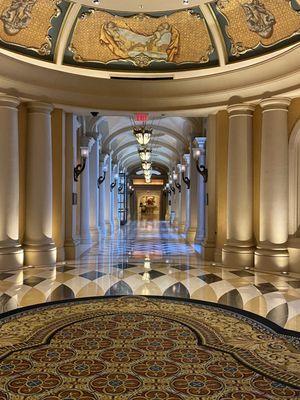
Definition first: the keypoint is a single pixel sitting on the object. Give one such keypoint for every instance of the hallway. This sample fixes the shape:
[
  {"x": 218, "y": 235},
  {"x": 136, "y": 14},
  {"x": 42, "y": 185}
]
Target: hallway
[{"x": 150, "y": 258}]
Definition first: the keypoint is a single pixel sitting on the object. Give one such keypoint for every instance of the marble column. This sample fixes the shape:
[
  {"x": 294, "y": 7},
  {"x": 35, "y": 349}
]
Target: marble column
[
  {"x": 85, "y": 233},
  {"x": 102, "y": 205},
  {"x": 238, "y": 250},
  {"x": 186, "y": 167},
  {"x": 200, "y": 233},
  {"x": 179, "y": 197},
  {"x": 114, "y": 199},
  {"x": 71, "y": 239},
  {"x": 11, "y": 253},
  {"x": 39, "y": 247},
  {"x": 271, "y": 253},
  {"x": 182, "y": 211},
  {"x": 94, "y": 192},
  {"x": 107, "y": 182},
  {"x": 193, "y": 201},
  {"x": 209, "y": 244}
]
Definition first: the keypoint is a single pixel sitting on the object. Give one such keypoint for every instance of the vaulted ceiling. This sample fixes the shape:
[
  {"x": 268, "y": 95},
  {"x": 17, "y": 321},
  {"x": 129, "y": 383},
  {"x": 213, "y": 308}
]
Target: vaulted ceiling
[{"x": 139, "y": 36}]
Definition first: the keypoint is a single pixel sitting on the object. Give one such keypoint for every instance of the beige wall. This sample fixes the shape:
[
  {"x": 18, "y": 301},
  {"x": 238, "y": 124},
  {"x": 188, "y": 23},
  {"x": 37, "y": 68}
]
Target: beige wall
[{"x": 58, "y": 159}]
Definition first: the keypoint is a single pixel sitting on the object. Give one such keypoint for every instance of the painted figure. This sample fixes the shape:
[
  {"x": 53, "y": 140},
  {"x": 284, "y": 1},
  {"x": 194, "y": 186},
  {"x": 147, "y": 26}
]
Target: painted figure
[
  {"x": 17, "y": 16},
  {"x": 259, "y": 19},
  {"x": 124, "y": 43}
]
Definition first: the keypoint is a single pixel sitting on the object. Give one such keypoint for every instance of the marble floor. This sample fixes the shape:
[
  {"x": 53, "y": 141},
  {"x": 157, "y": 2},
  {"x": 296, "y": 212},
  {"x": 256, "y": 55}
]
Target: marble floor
[{"x": 150, "y": 258}]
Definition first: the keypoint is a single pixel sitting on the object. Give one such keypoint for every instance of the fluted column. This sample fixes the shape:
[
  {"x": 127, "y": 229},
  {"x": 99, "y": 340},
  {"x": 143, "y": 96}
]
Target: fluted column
[
  {"x": 71, "y": 239},
  {"x": 238, "y": 249},
  {"x": 85, "y": 233},
  {"x": 114, "y": 200},
  {"x": 272, "y": 253},
  {"x": 187, "y": 160},
  {"x": 182, "y": 211},
  {"x": 38, "y": 244},
  {"x": 209, "y": 244},
  {"x": 102, "y": 187},
  {"x": 201, "y": 200},
  {"x": 94, "y": 194},
  {"x": 11, "y": 253},
  {"x": 193, "y": 201},
  {"x": 108, "y": 180}
]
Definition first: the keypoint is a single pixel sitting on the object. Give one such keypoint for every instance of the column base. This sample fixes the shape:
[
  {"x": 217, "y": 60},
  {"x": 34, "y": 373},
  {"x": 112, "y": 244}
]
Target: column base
[
  {"x": 72, "y": 249},
  {"x": 181, "y": 228},
  {"x": 11, "y": 257},
  {"x": 270, "y": 257},
  {"x": 208, "y": 251},
  {"x": 199, "y": 238},
  {"x": 238, "y": 254},
  {"x": 44, "y": 254},
  {"x": 191, "y": 234},
  {"x": 95, "y": 234}
]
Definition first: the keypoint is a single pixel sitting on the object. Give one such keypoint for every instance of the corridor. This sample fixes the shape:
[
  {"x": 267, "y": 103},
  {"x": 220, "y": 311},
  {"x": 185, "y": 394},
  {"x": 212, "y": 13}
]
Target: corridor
[{"x": 150, "y": 258}]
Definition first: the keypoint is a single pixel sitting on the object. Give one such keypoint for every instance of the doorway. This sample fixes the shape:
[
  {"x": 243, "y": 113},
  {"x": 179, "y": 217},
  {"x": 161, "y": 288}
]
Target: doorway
[{"x": 148, "y": 205}]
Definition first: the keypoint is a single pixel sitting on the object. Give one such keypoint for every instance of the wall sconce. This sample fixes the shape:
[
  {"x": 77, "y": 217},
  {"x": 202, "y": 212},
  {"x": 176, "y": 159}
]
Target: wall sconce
[
  {"x": 101, "y": 179},
  {"x": 175, "y": 178},
  {"x": 84, "y": 153},
  {"x": 203, "y": 171},
  {"x": 114, "y": 183},
  {"x": 167, "y": 188},
  {"x": 185, "y": 179}
]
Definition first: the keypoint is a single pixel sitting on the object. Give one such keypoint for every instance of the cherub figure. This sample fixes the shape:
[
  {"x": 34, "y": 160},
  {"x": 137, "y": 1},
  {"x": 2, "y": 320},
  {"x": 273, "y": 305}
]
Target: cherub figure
[{"x": 17, "y": 16}]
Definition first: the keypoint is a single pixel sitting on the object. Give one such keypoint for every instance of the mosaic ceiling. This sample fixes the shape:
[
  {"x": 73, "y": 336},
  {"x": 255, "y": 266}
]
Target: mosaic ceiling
[{"x": 194, "y": 38}]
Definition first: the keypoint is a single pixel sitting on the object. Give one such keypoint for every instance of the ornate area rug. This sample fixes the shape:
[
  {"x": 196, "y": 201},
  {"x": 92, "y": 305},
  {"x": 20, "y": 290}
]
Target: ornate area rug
[{"x": 141, "y": 348}]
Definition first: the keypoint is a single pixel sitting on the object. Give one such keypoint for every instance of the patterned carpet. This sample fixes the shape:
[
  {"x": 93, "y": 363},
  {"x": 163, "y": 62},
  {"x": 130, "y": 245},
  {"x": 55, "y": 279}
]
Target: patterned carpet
[{"x": 142, "y": 348}]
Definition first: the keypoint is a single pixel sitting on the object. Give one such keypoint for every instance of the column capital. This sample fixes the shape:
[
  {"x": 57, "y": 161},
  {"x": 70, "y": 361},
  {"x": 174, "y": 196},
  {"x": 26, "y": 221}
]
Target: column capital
[
  {"x": 200, "y": 142},
  {"x": 275, "y": 103},
  {"x": 87, "y": 141},
  {"x": 241, "y": 109},
  {"x": 9, "y": 101},
  {"x": 187, "y": 158},
  {"x": 39, "y": 107}
]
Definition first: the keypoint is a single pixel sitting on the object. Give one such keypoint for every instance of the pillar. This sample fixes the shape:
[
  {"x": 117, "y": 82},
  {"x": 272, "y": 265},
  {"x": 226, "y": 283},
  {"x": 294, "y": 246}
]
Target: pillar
[
  {"x": 85, "y": 233},
  {"x": 201, "y": 198},
  {"x": 238, "y": 250},
  {"x": 102, "y": 205},
  {"x": 271, "y": 253},
  {"x": 94, "y": 194},
  {"x": 11, "y": 253},
  {"x": 39, "y": 247},
  {"x": 179, "y": 198},
  {"x": 193, "y": 201},
  {"x": 187, "y": 159},
  {"x": 108, "y": 180},
  {"x": 114, "y": 200},
  {"x": 209, "y": 244},
  {"x": 182, "y": 211},
  {"x": 71, "y": 239}
]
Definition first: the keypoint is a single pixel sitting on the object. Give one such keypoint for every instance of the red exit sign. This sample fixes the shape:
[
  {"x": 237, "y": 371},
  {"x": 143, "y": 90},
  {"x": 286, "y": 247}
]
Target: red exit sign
[{"x": 141, "y": 117}]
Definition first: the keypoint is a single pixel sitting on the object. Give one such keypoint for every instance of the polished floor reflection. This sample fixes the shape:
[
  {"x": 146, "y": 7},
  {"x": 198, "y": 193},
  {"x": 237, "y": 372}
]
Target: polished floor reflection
[{"x": 150, "y": 258}]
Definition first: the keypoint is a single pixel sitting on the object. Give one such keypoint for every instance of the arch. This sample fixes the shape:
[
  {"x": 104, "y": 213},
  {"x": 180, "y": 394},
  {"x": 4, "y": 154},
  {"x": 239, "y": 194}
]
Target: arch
[
  {"x": 109, "y": 140},
  {"x": 294, "y": 181},
  {"x": 134, "y": 144}
]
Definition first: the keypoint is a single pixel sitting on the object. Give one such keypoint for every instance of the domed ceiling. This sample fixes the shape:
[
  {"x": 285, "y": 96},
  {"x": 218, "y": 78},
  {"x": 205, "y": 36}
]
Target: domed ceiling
[{"x": 141, "y": 37}]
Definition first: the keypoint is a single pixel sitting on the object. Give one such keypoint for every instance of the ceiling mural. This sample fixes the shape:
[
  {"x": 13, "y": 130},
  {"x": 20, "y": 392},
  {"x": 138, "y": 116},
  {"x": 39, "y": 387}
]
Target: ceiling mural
[
  {"x": 251, "y": 26},
  {"x": 141, "y": 40},
  {"x": 27, "y": 24},
  {"x": 215, "y": 33}
]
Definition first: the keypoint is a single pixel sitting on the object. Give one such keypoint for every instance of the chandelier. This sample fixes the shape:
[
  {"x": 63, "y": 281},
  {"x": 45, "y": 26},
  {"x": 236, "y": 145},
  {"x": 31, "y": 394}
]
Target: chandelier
[
  {"x": 142, "y": 134},
  {"x": 146, "y": 165},
  {"x": 145, "y": 154}
]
